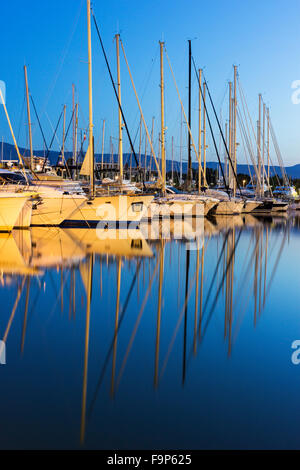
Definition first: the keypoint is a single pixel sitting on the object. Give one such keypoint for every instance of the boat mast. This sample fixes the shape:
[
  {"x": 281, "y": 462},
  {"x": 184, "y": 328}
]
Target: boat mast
[
  {"x": 230, "y": 134},
  {"x": 140, "y": 143},
  {"x": 74, "y": 119},
  {"x": 29, "y": 118},
  {"x": 103, "y": 132},
  {"x": 76, "y": 133},
  {"x": 263, "y": 139},
  {"x": 189, "y": 172},
  {"x": 119, "y": 111},
  {"x": 199, "y": 136},
  {"x": 91, "y": 138},
  {"x": 258, "y": 145},
  {"x": 234, "y": 129},
  {"x": 225, "y": 155},
  {"x": 172, "y": 160},
  {"x": 163, "y": 156},
  {"x": 268, "y": 144},
  {"x": 63, "y": 139},
  {"x": 180, "y": 173},
  {"x": 145, "y": 163},
  {"x": 204, "y": 134},
  {"x": 151, "y": 154}
]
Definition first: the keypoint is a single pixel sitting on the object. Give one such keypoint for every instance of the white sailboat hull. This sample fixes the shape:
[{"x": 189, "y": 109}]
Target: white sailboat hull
[
  {"x": 229, "y": 207},
  {"x": 11, "y": 205},
  {"x": 175, "y": 208},
  {"x": 116, "y": 209},
  {"x": 54, "y": 209}
]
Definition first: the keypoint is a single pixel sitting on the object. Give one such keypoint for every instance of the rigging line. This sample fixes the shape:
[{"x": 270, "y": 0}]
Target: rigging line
[
  {"x": 185, "y": 118},
  {"x": 63, "y": 57},
  {"x": 21, "y": 118},
  {"x": 116, "y": 93},
  {"x": 54, "y": 134},
  {"x": 220, "y": 285},
  {"x": 220, "y": 129},
  {"x": 246, "y": 142},
  {"x": 255, "y": 137},
  {"x": 38, "y": 120},
  {"x": 187, "y": 297},
  {"x": 113, "y": 340},
  {"x": 141, "y": 112},
  {"x": 138, "y": 320},
  {"x": 278, "y": 153},
  {"x": 65, "y": 137},
  {"x": 211, "y": 131},
  {"x": 277, "y": 261},
  {"x": 216, "y": 270},
  {"x": 147, "y": 81}
]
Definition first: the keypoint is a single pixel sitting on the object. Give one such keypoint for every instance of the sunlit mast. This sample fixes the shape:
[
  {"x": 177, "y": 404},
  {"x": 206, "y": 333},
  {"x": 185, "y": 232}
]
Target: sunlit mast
[
  {"x": 29, "y": 118},
  {"x": 234, "y": 129},
  {"x": 162, "y": 136},
  {"x": 119, "y": 110},
  {"x": 199, "y": 137},
  {"x": 91, "y": 126}
]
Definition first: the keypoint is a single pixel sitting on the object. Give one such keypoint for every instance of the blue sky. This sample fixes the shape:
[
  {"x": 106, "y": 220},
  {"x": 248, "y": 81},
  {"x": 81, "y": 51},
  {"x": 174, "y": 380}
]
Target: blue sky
[{"x": 262, "y": 38}]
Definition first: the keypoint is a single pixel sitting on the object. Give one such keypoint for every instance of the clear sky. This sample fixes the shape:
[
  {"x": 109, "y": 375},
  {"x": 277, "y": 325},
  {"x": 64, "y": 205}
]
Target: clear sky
[{"x": 261, "y": 37}]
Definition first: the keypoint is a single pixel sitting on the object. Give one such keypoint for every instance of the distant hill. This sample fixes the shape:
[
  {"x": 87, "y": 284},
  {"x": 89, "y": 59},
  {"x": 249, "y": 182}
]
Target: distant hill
[{"x": 9, "y": 153}]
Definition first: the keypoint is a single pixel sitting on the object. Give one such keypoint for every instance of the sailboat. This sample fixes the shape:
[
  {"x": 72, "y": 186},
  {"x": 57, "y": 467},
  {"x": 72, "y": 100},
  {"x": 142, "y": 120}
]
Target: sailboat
[
  {"x": 51, "y": 205},
  {"x": 101, "y": 207},
  {"x": 171, "y": 205},
  {"x": 12, "y": 205}
]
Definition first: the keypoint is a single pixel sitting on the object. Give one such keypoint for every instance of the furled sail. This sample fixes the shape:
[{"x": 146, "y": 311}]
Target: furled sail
[{"x": 87, "y": 162}]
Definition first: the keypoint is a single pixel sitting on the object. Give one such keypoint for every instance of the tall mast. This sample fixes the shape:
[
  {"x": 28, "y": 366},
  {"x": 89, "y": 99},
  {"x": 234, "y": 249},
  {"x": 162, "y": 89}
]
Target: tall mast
[
  {"x": 74, "y": 119},
  {"x": 199, "y": 136},
  {"x": 29, "y": 118},
  {"x": 180, "y": 173},
  {"x": 263, "y": 139},
  {"x": 140, "y": 144},
  {"x": 230, "y": 133},
  {"x": 204, "y": 132},
  {"x": 234, "y": 129},
  {"x": 91, "y": 139},
  {"x": 268, "y": 144},
  {"x": 258, "y": 144},
  {"x": 103, "y": 131},
  {"x": 63, "y": 139},
  {"x": 145, "y": 163},
  {"x": 172, "y": 159},
  {"x": 163, "y": 156},
  {"x": 76, "y": 133},
  {"x": 189, "y": 172},
  {"x": 120, "y": 114},
  {"x": 225, "y": 155},
  {"x": 151, "y": 154}
]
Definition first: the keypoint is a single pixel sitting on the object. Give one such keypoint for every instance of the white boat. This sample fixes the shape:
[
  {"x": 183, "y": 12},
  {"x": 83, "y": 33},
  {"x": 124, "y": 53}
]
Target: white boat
[
  {"x": 11, "y": 206},
  {"x": 54, "y": 203},
  {"x": 209, "y": 202},
  {"x": 226, "y": 205}
]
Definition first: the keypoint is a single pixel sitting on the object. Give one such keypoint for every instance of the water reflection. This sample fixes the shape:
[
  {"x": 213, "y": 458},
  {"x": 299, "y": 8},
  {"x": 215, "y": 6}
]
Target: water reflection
[{"x": 153, "y": 300}]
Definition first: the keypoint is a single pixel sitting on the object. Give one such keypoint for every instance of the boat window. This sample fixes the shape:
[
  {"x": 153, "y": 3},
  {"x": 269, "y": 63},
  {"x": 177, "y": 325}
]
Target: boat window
[{"x": 12, "y": 178}]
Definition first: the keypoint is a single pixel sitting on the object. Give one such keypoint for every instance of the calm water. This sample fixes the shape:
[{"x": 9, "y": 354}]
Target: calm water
[{"x": 130, "y": 344}]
